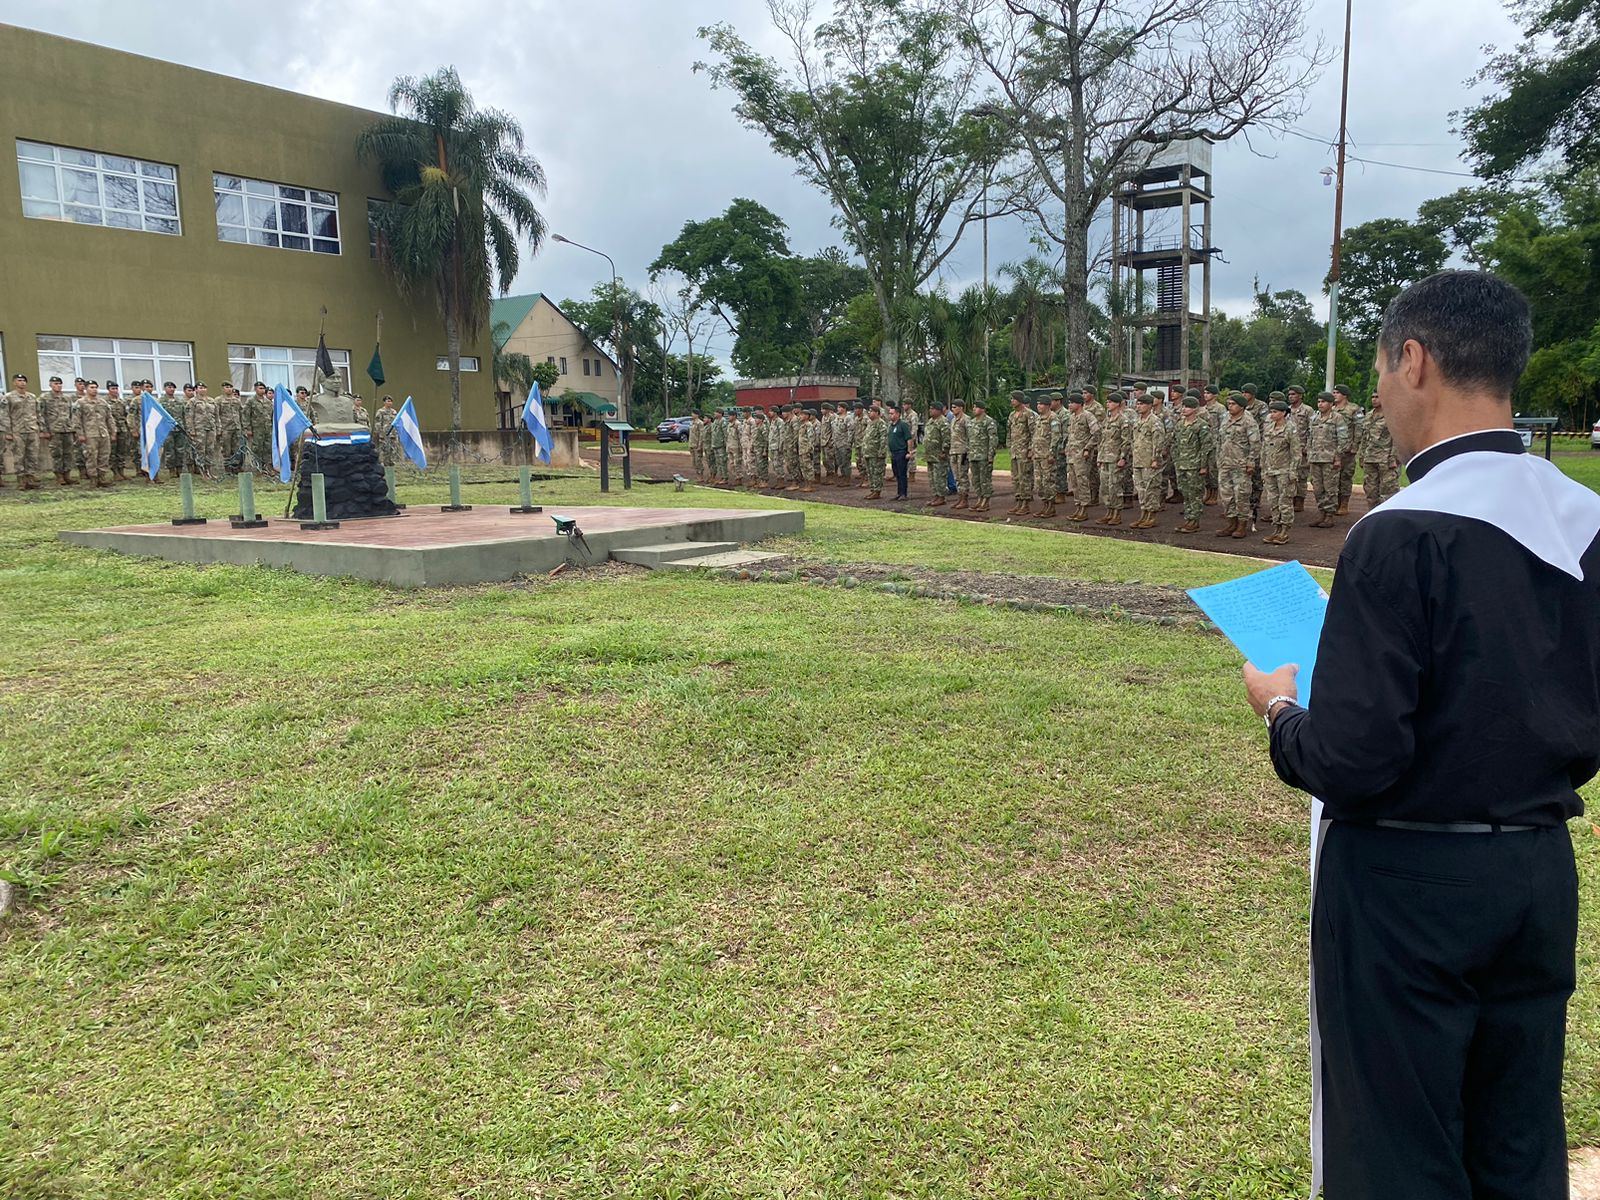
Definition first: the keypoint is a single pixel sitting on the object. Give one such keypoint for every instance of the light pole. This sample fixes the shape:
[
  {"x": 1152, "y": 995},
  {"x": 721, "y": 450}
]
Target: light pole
[
  {"x": 616, "y": 312},
  {"x": 1338, "y": 211}
]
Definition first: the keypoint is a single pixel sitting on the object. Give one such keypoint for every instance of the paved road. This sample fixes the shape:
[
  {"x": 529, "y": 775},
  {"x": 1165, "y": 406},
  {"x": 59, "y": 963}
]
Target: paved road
[{"x": 1318, "y": 547}]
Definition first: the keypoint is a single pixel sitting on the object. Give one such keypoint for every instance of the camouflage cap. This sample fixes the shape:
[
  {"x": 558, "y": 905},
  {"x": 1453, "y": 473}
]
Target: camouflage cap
[
  {"x": 1190, "y": 400},
  {"x": 1279, "y": 406}
]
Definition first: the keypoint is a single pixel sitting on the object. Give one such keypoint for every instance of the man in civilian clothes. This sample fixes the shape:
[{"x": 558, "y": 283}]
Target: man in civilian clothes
[{"x": 1457, "y": 713}]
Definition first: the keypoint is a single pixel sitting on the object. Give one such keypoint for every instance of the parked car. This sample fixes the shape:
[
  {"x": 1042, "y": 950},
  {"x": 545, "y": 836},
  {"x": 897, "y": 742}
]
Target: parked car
[
  {"x": 1594, "y": 437},
  {"x": 673, "y": 429}
]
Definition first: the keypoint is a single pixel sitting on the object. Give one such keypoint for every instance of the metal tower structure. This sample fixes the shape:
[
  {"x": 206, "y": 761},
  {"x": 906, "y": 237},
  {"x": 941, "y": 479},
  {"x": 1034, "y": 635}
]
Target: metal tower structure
[{"x": 1161, "y": 223}]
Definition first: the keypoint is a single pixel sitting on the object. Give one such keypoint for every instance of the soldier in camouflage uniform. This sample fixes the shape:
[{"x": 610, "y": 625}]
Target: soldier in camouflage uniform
[
  {"x": 1280, "y": 464},
  {"x": 230, "y": 425},
  {"x": 204, "y": 428},
  {"x": 1082, "y": 444},
  {"x": 960, "y": 454},
  {"x": 697, "y": 446},
  {"x": 1237, "y": 459},
  {"x": 718, "y": 444},
  {"x": 94, "y": 431},
  {"x": 57, "y": 428},
  {"x": 1300, "y": 417},
  {"x": 760, "y": 432},
  {"x": 1327, "y": 449},
  {"x": 838, "y": 446},
  {"x": 1116, "y": 447},
  {"x": 1355, "y": 419},
  {"x": 874, "y": 445},
  {"x": 825, "y": 435},
  {"x": 7, "y": 442},
  {"x": 1041, "y": 455},
  {"x": 936, "y": 451},
  {"x": 810, "y": 435},
  {"x": 1193, "y": 450},
  {"x": 1380, "y": 469},
  {"x": 1149, "y": 457},
  {"x": 383, "y": 434},
  {"x": 983, "y": 441},
  {"x": 857, "y": 437},
  {"x": 1097, "y": 410},
  {"x": 258, "y": 426},
  {"x": 1215, "y": 413},
  {"x": 1058, "y": 447},
  {"x": 23, "y": 413},
  {"x": 1019, "y": 439}
]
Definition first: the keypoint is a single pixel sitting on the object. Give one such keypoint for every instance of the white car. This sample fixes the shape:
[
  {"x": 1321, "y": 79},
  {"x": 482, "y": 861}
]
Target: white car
[{"x": 1594, "y": 437}]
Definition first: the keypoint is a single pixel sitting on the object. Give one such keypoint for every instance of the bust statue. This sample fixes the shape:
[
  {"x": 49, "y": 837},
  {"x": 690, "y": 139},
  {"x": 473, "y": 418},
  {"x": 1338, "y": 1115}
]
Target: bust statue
[{"x": 332, "y": 412}]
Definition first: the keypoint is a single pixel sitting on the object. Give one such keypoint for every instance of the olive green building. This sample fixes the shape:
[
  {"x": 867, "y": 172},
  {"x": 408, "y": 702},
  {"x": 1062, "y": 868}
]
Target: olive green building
[{"x": 167, "y": 223}]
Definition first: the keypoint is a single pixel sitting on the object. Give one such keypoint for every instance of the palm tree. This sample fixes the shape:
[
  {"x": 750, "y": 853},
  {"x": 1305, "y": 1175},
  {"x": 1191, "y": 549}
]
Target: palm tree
[
  {"x": 512, "y": 369},
  {"x": 460, "y": 179}
]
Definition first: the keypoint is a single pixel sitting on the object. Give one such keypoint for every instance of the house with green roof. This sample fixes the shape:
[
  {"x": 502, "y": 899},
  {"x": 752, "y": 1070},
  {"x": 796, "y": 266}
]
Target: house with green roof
[{"x": 586, "y": 391}]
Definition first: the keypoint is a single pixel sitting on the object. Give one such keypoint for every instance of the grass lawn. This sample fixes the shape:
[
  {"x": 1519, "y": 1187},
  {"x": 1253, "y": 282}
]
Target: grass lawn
[{"x": 653, "y": 885}]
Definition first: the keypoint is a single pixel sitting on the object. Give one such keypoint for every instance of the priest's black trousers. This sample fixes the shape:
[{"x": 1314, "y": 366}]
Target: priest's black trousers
[{"x": 1443, "y": 965}]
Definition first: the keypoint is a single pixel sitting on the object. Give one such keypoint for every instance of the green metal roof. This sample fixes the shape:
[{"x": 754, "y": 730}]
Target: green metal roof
[
  {"x": 513, "y": 310},
  {"x": 588, "y": 400}
]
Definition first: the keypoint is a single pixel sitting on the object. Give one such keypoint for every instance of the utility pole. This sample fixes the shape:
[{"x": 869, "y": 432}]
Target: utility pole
[{"x": 1338, "y": 210}]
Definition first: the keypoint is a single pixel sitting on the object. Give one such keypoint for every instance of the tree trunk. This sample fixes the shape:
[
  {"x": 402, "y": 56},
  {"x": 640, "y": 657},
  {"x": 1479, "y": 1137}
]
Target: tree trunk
[
  {"x": 889, "y": 368},
  {"x": 452, "y": 345},
  {"x": 1080, "y": 364}
]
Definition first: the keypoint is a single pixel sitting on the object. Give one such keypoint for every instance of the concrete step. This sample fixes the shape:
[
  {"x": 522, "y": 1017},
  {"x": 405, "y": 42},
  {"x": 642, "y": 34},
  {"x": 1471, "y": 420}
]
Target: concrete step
[
  {"x": 665, "y": 552},
  {"x": 727, "y": 558}
]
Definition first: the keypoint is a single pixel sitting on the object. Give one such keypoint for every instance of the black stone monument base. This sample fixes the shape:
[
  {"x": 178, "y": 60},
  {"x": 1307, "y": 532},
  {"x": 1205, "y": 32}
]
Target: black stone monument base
[{"x": 353, "y": 482}]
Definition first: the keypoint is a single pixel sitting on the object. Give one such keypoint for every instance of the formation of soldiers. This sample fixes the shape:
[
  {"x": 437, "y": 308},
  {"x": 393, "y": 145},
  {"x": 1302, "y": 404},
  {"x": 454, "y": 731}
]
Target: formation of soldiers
[
  {"x": 795, "y": 448},
  {"x": 1254, "y": 457},
  {"x": 94, "y": 437}
]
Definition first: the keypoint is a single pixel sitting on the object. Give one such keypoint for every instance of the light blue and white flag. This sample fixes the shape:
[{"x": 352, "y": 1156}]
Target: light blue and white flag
[
  {"x": 155, "y": 423},
  {"x": 288, "y": 423},
  {"x": 533, "y": 418},
  {"x": 358, "y": 437},
  {"x": 410, "y": 434}
]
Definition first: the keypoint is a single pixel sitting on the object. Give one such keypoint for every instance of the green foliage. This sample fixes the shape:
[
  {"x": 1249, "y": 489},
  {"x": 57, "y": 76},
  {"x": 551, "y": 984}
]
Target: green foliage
[
  {"x": 876, "y": 115},
  {"x": 460, "y": 179},
  {"x": 1547, "y": 99},
  {"x": 1379, "y": 260},
  {"x": 1272, "y": 348},
  {"x": 626, "y": 324},
  {"x": 546, "y": 375},
  {"x": 514, "y": 371}
]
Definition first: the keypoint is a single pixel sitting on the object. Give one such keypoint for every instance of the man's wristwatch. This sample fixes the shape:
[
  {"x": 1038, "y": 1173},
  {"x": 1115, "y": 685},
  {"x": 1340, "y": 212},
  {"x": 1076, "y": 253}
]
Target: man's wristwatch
[{"x": 1267, "y": 714}]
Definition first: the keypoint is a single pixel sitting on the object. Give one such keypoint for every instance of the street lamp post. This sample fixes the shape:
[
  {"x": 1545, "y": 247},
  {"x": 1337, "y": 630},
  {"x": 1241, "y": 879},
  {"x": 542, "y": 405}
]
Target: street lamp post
[{"x": 616, "y": 311}]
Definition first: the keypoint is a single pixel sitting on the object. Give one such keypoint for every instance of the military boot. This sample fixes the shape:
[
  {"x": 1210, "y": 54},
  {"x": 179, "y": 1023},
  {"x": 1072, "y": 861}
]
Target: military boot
[
  {"x": 1300, "y": 503},
  {"x": 1115, "y": 518},
  {"x": 1242, "y": 529},
  {"x": 961, "y": 502},
  {"x": 1227, "y": 530},
  {"x": 1344, "y": 509},
  {"x": 1189, "y": 527}
]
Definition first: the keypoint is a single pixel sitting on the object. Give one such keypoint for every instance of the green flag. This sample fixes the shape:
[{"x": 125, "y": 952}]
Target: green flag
[{"x": 375, "y": 368}]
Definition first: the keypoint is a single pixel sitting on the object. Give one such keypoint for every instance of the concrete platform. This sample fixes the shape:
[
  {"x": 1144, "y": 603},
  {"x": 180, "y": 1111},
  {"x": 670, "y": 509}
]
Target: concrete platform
[
  {"x": 727, "y": 558},
  {"x": 424, "y": 547}
]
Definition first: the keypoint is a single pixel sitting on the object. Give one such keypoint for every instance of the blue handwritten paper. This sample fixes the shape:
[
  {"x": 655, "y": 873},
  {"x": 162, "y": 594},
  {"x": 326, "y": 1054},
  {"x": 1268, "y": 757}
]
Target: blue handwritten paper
[{"x": 1274, "y": 617}]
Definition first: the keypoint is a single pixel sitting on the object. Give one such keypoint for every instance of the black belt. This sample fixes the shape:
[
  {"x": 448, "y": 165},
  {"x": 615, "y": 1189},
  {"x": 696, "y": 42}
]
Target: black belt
[{"x": 1456, "y": 826}]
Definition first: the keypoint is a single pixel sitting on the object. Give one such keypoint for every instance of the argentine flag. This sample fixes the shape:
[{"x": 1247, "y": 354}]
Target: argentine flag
[
  {"x": 533, "y": 418},
  {"x": 155, "y": 423},
  {"x": 410, "y": 434},
  {"x": 288, "y": 423}
]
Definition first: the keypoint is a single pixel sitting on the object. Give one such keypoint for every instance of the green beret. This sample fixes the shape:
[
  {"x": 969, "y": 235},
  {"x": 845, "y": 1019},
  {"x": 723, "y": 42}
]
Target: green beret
[
  {"x": 1057, "y": 396},
  {"x": 1147, "y": 398},
  {"x": 933, "y": 404},
  {"x": 1192, "y": 392},
  {"x": 1297, "y": 389},
  {"x": 1190, "y": 400},
  {"x": 1115, "y": 397},
  {"x": 958, "y": 402},
  {"x": 1278, "y": 396},
  {"x": 1018, "y": 396},
  {"x": 980, "y": 404},
  {"x": 1234, "y": 398},
  {"x": 1342, "y": 390},
  {"x": 1328, "y": 396},
  {"x": 1249, "y": 389},
  {"x": 1279, "y": 406}
]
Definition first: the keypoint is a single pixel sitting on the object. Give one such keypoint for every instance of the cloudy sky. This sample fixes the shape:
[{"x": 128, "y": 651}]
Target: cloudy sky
[{"x": 635, "y": 144}]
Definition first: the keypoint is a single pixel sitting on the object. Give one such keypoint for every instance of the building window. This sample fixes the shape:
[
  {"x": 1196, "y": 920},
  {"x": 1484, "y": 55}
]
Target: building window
[
  {"x": 442, "y": 363},
  {"x": 60, "y": 184},
  {"x": 550, "y": 358},
  {"x": 563, "y": 364},
  {"x": 372, "y": 227},
  {"x": 599, "y": 367},
  {"x": 586, "y": 366},
  {"x": 292, "y": 366},
  {"x": 121, "y": 359},
  {"x": 274, "y": 214}
]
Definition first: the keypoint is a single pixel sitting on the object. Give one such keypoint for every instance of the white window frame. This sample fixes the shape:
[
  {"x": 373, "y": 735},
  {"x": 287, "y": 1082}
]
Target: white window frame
[
  {"x": 469, "y": 362},
  {"x": 167, "y": 361},
  {"x": 292, "y": 366},
  {"x": 254, "y": 194},
  {"x": 149, "y": 179}
]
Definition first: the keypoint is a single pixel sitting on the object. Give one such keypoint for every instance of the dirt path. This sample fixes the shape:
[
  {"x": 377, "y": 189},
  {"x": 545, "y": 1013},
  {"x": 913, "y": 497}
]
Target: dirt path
[{"x": 1318, "y": 547}]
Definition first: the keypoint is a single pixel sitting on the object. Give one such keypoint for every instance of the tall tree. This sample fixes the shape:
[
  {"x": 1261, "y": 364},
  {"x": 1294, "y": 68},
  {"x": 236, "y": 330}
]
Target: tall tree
[
  {"x": 513, "y": 371},
  {"x": 461, "y": 180},
  {"x": 1466, "y": 219},
  {"x": 626, "y": 324},
  {"x": 1548, "y": 92},
  {"x": 1379, "y": 260},
  {"x": 828, "y": 281},
  {"x": 1097, "y": 88},
  {"x": 739, "y": 264},
  {"x": 875, "y": 109}
]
